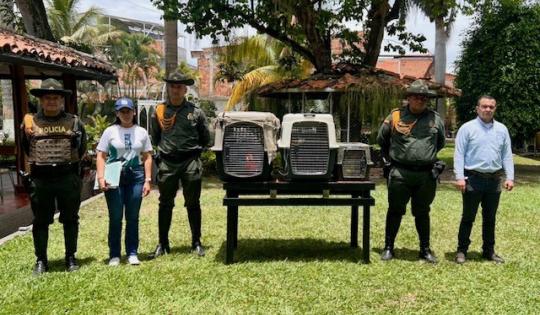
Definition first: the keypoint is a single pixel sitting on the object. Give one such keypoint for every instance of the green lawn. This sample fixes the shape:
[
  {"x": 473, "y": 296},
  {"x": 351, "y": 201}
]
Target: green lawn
[{"x": 288, "y": 261}]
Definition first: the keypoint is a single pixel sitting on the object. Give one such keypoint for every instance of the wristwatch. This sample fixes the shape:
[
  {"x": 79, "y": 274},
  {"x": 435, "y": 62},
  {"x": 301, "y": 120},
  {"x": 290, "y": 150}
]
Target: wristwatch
[{"x": 148, "y": 179}]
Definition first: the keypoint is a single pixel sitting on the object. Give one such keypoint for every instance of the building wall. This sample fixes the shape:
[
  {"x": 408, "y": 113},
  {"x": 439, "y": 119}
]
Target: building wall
[{"x": 207, "y": 67}]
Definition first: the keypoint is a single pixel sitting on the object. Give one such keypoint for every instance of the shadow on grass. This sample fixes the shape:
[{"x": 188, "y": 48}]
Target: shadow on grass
[
  {"x": 471, "y": 256},
  {"x": 402, "y": 253},
  {"x": 174, "y": 250},
  {"x": 301, "y": 249},
  {"x": 59, "y": 265}
]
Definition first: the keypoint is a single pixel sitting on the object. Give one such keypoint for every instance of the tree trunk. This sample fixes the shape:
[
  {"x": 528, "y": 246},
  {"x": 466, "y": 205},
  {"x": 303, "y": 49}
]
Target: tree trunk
[
  {"x": 441, "y": 38},
  {"x": 319, "y": 39},
  {"x": 171, "y": 46},
  {"x": 35, "y": 18},
  {"x": 377, "y": 23}
]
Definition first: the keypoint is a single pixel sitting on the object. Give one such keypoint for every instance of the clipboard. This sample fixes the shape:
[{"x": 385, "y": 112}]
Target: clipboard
[{"x": 112, "y": 175}]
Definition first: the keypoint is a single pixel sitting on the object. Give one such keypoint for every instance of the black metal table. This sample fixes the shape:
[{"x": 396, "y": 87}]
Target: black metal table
[{"x": 274, "y": 193}]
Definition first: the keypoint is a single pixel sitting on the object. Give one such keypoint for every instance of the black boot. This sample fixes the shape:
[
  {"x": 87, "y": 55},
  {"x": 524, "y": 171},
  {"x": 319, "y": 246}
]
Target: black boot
[
  {"x": 393, "y": 221},
  {"x": 40, "y": 235},
  {"x": 71, "y": 234},
  {"x": 161, "y": 249},
  {"x": 194, "y": 218},
  {"x": 422, "y": 223}
]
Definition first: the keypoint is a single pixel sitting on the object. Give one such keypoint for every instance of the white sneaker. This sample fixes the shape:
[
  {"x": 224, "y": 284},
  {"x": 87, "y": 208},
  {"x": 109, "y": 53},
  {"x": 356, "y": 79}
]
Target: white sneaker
[
  {"x": 115, "y": 261},
  {"x": 134, "y": 260}
]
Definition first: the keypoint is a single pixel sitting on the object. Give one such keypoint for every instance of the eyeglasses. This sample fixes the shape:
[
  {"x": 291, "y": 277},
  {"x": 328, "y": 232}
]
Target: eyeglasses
[{"x": 419, "y": 97}]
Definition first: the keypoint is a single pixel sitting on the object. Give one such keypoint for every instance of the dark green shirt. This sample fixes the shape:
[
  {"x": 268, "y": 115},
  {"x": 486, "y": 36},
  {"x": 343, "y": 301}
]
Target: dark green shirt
[
  {"x": 420, "y": 147},
  {"x": 190, "y": 131}
]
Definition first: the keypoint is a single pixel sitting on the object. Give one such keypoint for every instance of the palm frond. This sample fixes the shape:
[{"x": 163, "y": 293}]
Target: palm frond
[
  {"x": 251, "y": 81},
  {"x": 86, "y": 17}
]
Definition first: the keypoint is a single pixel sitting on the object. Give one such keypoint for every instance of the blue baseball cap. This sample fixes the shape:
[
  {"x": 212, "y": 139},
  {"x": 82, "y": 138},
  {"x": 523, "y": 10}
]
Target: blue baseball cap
[{"x": 123, "y": 102}]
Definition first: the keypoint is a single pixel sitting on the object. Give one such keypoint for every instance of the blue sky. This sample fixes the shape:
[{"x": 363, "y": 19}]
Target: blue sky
[{"x": 144, "y": 10}]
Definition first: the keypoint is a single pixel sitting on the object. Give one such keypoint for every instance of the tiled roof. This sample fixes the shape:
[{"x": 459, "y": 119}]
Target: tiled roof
[
  {"x": 414, "y": 67},
  {"x": 51, "y": 53},
  {"x": 346, "y": 76}
]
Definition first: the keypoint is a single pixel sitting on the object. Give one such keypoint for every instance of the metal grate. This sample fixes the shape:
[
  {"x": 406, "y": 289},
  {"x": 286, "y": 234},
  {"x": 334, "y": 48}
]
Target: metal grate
[
  {"x": 243, "y": 150},
  {"x": 354, "y": 164},
  {"x": 309, "y": 148}
]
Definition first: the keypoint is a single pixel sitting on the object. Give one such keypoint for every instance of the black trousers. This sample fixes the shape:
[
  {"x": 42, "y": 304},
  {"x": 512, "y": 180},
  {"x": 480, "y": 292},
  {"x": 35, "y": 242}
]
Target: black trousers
[
  {"x": 169, "y": 175},
  {"x": 486, "y": 192},
  {"x": 403, "y": 186},
  {"x": 46, "y": 195}
]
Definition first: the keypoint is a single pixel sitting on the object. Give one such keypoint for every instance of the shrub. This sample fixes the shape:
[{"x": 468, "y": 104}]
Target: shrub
[
  {"x": 208, "y": 159},
  {"x": 500, "y": 58}
]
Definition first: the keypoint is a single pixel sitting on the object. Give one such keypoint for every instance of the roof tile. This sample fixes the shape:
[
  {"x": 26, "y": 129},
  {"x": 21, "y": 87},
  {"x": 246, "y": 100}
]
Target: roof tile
[{"x": 46, "y": 51}]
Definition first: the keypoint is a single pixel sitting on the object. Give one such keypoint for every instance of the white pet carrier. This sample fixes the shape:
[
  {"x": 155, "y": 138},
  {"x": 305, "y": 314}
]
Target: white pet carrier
[
  {"x": 308, "y": 145},
  {"x": 245, "y": 144}
]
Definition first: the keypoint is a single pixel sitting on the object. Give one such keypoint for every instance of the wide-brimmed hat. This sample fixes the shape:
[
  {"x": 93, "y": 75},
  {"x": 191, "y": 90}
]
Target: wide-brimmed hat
[
  {"x": 179, "y": 77},
  {"x": 50, "y": 86},
  {"x": 420, "y": 87},
  {"x": 123, "y": 102}
]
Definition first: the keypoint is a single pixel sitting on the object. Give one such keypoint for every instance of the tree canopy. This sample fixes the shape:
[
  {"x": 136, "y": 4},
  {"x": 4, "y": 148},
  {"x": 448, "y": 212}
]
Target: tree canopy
[
  {"x": 306, "y": 26},
  {"x": 500, "y": 58}
]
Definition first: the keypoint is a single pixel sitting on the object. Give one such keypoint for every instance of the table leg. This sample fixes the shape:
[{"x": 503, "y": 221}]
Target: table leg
[
  {"x": 235, "y": 226},
  {"x": 229, "y": 255},
  {"x": 365, "y": 235},
  {"x": 354, "y": 225}
]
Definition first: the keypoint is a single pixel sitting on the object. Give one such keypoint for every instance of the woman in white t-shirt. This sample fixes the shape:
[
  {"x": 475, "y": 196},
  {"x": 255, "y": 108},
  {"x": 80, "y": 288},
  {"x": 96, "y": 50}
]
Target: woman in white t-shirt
[{"x": 127, "y": 142}]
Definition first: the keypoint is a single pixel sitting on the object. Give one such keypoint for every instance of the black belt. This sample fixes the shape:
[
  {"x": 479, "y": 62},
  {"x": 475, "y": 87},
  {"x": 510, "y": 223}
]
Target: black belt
[
  {"x": 493, "y": 175},
  {"x": 179, "y": 157},
  {"x": 59, "y": 170},
  {"x": 416, "y": 168}
]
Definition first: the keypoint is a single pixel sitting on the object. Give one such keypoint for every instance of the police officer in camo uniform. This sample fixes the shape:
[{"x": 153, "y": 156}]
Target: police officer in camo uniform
[
  {"x": 410, "y": 138},
  {"x": 54, "y": 142},
  {"x": 180, "y": 130}
]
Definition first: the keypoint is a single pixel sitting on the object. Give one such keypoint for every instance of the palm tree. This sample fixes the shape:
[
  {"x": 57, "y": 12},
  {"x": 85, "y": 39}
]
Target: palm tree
[
  {"x": 171, "y": 46},
  {"x": 443, "y": 13},
  {"x": 256, "y": 61},
  {"x": 79, "y": 30},
  {"x": 137, "y": 58}
]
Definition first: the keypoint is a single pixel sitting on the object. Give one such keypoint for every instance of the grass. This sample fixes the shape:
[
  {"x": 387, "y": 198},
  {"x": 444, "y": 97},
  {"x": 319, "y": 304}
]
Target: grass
[{"x": 289, "y": 260}]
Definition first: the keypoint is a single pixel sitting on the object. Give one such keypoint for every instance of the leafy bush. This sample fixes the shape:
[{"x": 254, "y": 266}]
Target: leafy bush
[
  {"x": 500, "y": 58},
  {"x": 209, "y": 108},
  {"x": 95, "y": 129},
  {"x": 208, "y": 159}
]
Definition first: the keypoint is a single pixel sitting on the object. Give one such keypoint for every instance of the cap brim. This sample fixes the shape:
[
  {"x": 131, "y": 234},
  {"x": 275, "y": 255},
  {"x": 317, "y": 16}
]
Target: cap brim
[
  {"x": 429, "y": 94},
  {"x": 185, "y": 82},
  {"x": 41, "y": 92},
  {"x": 117, "y": 108}
]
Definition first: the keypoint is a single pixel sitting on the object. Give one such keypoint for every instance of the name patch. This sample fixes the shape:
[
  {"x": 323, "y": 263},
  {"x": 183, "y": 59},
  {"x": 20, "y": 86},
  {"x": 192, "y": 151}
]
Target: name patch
[{"x": 53, "y": 129}]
